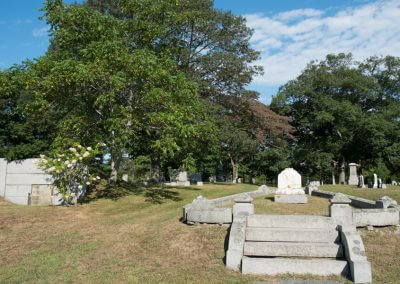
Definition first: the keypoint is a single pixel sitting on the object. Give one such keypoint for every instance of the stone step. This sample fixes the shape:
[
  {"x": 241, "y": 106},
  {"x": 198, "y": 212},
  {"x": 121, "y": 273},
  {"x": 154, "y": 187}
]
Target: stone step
[
  {"x": 274, "y": 266},
  {"x": 291, "y": 221},
  {"x": 292, "y": 235},
  {"x": 290, "y": 249}
]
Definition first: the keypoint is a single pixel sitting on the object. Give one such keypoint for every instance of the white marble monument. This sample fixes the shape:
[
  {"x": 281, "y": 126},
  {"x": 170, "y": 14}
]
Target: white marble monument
[
  {"x": 375, "y": 185},
  {"x": 353, "y": 178},
  {"x": 289, "y": 188}
]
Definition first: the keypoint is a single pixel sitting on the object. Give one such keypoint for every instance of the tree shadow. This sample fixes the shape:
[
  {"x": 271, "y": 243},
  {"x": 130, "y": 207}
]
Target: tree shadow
[{"x": 153, "y": 193}]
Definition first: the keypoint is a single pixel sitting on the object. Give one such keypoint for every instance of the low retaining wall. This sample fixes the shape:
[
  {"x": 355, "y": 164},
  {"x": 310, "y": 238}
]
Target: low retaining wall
[
  {"x": 375, "y": 217},
  {"x": 22, "y": 182},
  {"x": 203, "y": 210},
  {"x": 367, "y": 212}
]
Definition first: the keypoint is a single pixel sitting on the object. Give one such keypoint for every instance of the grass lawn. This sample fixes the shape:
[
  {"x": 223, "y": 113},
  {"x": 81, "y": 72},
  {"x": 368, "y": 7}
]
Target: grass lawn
[
  {"x": 133, "y": 240},
  {"x": 369, "y": 193}
]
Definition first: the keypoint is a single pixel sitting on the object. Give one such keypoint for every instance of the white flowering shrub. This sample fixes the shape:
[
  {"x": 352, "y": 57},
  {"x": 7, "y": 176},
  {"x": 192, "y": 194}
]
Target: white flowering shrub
[{"x": 70, "y": 171}]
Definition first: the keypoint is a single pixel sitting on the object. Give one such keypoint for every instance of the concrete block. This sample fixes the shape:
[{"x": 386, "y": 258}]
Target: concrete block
[
  {"x": 28, "y": 166},
  {"x": 291, "y": 198},
  {"x": 212, "y": 216},
  {"x": 20, "y": 200},
  {"x": 236, "y": 243},
  {"x": 3, "y": 174},
  {"x": 274, "y": 266},
  {"x": 292, "y": 235},
  {"x": 355, "y": 254},
  {"x": 243, "y": 209},
  {"x": 291, "y": 221},
  {"x": 376, "y": 217},
  {"x": 292, "y": 249},
  {"x": 361, "y": 271},
  {"x": 28, "y": 179},
  {"x": 18, "y": 190},
  {"x": 342, "y": 213}
]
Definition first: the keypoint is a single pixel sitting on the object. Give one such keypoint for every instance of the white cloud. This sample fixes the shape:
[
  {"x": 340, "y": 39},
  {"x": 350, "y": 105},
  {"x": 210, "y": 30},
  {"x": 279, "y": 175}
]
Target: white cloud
[
  {"x": 290, "y": 40},
  {"x": 39, "y": 32}
]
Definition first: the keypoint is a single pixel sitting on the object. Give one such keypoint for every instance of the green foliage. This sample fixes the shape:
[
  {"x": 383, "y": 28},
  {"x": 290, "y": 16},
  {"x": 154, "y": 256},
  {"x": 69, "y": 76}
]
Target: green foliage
[
  {"x": 344, "y": 111},
  {"x": 70, "y": 171}
]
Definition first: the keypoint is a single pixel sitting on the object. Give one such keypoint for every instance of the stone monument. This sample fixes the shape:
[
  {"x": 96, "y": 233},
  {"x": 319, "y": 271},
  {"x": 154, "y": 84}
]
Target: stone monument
[
  {"x": 353, "y": 178},
  {"x": 361, "y": 183},
  {"x": 289, "y": 188},
  {"x": 183, "y": 179},
  {"x": 375, "y": 185}
]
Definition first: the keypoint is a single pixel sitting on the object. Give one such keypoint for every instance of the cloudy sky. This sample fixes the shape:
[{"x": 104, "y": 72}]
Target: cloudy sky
[{"x": 288, "y": 33}]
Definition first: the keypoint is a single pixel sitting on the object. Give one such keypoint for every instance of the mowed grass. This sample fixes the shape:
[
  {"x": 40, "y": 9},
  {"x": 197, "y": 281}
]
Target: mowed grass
[
  {"x": 369, "y": 193},
  {"x": 132, "y": 240}
]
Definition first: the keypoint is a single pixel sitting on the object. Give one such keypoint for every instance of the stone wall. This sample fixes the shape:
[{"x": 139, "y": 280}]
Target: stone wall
[{"x": 23, "y": 183}]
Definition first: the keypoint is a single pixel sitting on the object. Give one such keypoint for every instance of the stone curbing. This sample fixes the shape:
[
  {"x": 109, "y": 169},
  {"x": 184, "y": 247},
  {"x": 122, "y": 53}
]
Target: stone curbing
[{"x": 203, "y": 210}]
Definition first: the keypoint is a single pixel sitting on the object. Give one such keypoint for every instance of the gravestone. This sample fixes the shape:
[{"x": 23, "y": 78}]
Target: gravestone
[
  {"x": 315, "y": 183},
  {"x": 375, "y": 185},
  {"x": 289, "y": 188},
  {"x": 361, "y": 183},
  {"x": 379, "y": 183},
  {"x": 342, "y": 175},
  {"x": 125, "y": 177},
  {"x": 353, "y": 178},
  {"x": 183, "y": 179},
  {"x": 394, "y": 182}
]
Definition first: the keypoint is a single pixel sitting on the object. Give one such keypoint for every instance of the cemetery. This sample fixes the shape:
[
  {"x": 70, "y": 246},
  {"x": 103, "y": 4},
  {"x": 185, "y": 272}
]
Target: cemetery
[{"x": 207, "y": 141}]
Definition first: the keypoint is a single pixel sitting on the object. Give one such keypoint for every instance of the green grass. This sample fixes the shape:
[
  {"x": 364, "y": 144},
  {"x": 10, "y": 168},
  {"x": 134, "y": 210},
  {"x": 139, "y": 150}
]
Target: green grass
[
  {"x": 369, "y": 193},
  {"x": 132, "y": 240}
]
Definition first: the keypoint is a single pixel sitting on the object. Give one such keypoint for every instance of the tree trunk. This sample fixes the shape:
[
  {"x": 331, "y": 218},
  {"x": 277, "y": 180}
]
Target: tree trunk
[
  {"x": 235, "y": 170},
  {"x": 156, "y": 172},
  {"x": 115, "y": 164}
]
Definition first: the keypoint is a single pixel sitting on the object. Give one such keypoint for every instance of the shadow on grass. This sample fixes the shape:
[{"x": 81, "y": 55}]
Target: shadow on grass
[{"x": 153, "y": 193}]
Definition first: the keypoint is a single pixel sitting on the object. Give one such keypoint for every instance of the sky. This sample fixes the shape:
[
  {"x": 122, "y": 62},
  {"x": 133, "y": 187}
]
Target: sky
[{"x": 288, "y": 33}]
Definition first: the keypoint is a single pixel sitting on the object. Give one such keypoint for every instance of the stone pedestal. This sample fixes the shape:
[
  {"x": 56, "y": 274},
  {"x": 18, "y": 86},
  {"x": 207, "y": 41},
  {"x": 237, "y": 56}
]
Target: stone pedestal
[
  {"x": 243, "y": 206},
  {"x": 353, "y": 178},
  {"x": 341, "y": 210}
]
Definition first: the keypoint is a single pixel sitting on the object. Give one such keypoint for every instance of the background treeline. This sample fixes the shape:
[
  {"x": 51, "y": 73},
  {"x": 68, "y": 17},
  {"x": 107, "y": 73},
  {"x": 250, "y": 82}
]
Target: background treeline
[{"x": 163, "y": 84}]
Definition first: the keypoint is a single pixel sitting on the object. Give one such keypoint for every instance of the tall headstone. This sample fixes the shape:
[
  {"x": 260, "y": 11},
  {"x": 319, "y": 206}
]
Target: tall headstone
[
  {"x": 361, "y": 183},
  {"x": 353, "y": 178},
  {"x": 289, "y": 187},
  {"x": 379, "y": 183},
  {"x": 375, "y": 185},
  {"x": 342, "y": 175}
]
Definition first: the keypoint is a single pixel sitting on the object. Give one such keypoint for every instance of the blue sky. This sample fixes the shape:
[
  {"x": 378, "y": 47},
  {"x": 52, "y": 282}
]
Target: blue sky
[{"x": 288, "y": 33}]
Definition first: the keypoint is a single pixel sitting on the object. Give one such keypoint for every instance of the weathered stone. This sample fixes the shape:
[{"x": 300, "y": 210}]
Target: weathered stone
[
  {"x": 274, "y": 266},
  {"x": 199, "y": 183},
  {"x": 360, "y": 267},
  {"x": 291, "y": 221},
  {"x": 291, "y": 235},
  {"x": 293, "y": 249},
  {"x": 125, "y": 177},
  {"x": 315, "y": 183},
  {"x": 234, "y": 253},
  {"x": 375, "y": 217},
  {"x": 361, "y": 183},
  {"x": 289, "y": 181},
  {"x": 210, "y": 216},
  {"x": 353, "y": 178},
  {"x": 385, "y": 202},
  {"x": 340, "y": 209},
  {"x": 291, "y": 198}
]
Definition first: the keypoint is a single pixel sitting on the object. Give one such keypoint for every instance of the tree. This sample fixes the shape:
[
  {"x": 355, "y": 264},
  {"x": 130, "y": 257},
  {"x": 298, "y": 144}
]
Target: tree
[
  {"x": 105, "y": 90},
  {"x": 342, "y": 110},
  {"x": 22, "y": 135}
]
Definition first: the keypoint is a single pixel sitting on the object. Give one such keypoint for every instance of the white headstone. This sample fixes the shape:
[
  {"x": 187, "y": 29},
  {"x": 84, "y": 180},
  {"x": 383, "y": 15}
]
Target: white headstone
[
  {"x": 289, "y": 182},
  {"x": 125, "y": 177},
  {"x": 375, "y": 185},
  {"x": 182, "y": 176},
  {"x": 353, "y": 178},
  {"x": 361, "y": 183}
]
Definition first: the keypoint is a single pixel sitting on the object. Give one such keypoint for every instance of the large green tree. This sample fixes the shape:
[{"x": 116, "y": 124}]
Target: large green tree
[{"x": 343, "y": 111}]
